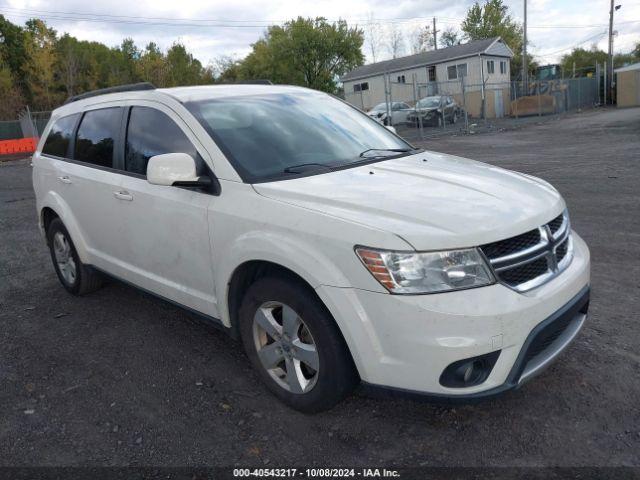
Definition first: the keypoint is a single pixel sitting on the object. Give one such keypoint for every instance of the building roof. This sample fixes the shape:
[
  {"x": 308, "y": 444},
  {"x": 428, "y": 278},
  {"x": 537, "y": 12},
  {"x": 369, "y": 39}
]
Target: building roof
[
  {"x": 628, "y": 68},
  {"x": 422, "y": 59}
]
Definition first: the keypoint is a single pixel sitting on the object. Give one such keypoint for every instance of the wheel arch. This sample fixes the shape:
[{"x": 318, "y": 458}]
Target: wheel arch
[
  {"x": 248, "y": 273},
  {"x": 54, "y": 206}
]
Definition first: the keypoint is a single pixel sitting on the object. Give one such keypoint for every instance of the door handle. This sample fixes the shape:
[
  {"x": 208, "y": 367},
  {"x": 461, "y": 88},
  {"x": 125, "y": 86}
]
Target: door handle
[
  {"x": 123, "y": 195},
  {"x": 64, "y": 179}
]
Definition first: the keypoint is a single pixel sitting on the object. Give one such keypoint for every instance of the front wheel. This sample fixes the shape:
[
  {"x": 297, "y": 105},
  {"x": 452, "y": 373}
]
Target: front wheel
[
  {"x": 76, "y": 277},
  {"x": 294, "y": 343}
]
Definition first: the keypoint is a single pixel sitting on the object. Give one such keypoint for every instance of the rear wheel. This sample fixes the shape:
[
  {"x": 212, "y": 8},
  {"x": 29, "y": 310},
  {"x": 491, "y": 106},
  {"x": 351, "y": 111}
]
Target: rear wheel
[
  {"x": 76, "y": 277},
  {"x": 295, "y": 345}
]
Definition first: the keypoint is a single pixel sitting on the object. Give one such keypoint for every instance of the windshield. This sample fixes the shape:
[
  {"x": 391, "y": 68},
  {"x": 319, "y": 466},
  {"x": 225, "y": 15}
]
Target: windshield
[
  {"x": 380, "y": 107},
  {"x": 269, "y": 136},
  {"x": 429, "y": 102}
]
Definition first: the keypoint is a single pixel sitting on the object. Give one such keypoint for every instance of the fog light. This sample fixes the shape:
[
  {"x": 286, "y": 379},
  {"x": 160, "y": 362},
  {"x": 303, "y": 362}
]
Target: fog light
[{"x": 469, "y": 372}]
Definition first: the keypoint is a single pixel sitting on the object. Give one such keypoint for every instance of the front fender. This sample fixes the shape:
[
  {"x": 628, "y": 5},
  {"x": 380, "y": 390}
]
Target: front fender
[{"x": 315, "y": 267}]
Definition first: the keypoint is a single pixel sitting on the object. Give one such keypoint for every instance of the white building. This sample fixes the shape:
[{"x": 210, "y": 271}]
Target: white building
[{"x": 446, "y": 71}]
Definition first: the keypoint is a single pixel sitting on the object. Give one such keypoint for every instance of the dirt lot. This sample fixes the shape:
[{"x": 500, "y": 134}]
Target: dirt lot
[{"x": 119, "y": 377}]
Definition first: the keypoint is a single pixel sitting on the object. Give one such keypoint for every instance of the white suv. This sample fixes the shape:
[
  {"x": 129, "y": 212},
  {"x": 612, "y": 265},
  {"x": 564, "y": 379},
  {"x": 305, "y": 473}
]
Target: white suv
[{"x": 338, "y": 253}]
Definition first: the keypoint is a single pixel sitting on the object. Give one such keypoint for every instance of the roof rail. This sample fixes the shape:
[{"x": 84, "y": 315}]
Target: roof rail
[{"x": 134, "y": 87}]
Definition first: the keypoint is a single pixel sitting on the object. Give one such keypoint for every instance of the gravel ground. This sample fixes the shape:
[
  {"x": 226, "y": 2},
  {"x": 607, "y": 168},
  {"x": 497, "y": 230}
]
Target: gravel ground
[{"x": 121, "y": 378}]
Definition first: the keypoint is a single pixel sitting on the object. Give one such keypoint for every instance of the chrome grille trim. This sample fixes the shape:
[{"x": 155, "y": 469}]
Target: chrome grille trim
[{"x": 547, "y": 248}]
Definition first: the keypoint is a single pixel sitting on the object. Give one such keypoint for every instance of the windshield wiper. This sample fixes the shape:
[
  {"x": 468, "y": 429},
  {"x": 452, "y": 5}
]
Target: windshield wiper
[
  {"x": 393, "y": 150},
  {"x": 304, "y": 167}
]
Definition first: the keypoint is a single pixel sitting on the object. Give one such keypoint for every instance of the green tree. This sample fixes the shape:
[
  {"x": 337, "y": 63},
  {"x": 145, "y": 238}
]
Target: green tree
[
  {"x": 152, "y": 66},
  {"x": 184, "y": 69},
  {"x": 449, "y": 37},
  {"x": 492, "y": 19},
  {"x": 305, "y": 51},
  {"x": 11, "y": 100},
  {"x": 12, "y": 47},
  {"x": 583, "y": 59},
  {"x": 39, "y": 65}
]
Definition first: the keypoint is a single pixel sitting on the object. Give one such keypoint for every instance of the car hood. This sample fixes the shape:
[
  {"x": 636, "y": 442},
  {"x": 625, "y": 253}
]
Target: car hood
[{"x": 431, "y": 200}]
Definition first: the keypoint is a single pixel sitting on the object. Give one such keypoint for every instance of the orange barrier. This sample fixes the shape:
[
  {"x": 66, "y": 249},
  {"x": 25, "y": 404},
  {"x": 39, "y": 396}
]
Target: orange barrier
[{"x": 20, "y": 145}]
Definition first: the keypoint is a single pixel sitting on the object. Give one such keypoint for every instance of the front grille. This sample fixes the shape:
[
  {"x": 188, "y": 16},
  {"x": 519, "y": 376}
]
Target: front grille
[
  {"x": 556, "y": 223},
  {"x": 562, "y": 249},
  {"x": 527, "y": 260},
  {"x": 525, "y": 273},
  {"x": 511, "y": 245}
]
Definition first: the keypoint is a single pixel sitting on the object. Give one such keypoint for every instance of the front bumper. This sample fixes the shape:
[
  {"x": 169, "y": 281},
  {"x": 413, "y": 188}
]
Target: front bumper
[{"x": 404, "y": 343}]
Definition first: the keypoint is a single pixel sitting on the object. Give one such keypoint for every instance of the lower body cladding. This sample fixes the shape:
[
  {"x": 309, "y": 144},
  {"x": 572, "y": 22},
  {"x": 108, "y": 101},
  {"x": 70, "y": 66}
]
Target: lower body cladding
[{"x": 462, "y": 345}]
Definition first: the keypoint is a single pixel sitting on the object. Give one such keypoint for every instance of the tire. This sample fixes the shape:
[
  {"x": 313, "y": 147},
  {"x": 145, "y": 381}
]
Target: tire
[
  {"x": 300, "y": 325},
  {"x": 76, "y": 277}
]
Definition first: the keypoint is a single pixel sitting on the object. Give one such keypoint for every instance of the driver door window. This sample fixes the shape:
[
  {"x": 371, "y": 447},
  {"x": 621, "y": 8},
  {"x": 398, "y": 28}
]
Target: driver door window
[{"x": 151, "y": 132}]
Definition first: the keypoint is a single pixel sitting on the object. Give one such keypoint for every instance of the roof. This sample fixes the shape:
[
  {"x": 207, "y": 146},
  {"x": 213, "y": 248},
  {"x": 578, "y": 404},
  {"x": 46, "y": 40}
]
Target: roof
[
  {"x": 628, "y": 68},
  {"x": 422, "y": 59},
  {"x": 188, "y": 94},
  {"x": 181, "y": 94}
]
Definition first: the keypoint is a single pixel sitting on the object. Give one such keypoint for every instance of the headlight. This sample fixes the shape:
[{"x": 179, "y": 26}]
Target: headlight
[{"x": 429, "y": 272}]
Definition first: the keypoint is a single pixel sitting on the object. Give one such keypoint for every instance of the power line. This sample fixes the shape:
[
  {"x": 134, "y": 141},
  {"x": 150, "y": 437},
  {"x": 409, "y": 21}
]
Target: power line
[
  {"x": 547, "y": 54},
  {"x": 228, "y": 23}
]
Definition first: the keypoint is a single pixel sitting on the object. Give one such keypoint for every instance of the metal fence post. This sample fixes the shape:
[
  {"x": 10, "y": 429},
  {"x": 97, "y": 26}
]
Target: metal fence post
[
  {"x": 416, "y": 87},
  {"x": 605, "y": 82},
  {"x": 464, "y": 105},
  {"x": 515, "y": 99},
  {"x": 539, "y": 101},
  {"x": 579, "y": 93}
]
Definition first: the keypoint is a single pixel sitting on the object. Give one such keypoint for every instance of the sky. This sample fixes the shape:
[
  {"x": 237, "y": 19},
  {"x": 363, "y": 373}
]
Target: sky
[{"x": 218, "y": 28}]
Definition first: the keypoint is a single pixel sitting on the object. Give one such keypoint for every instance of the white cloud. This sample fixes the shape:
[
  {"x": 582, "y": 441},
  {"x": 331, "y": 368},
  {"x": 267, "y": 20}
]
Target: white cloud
[{"x": 207, "y": 43}]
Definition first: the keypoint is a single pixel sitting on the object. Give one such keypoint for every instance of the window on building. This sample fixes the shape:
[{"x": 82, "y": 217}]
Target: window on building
[
  {"x": 401, "y": 79},
  {"x": 457, "y": 71},
  {"x": 432, "y": 73},
  {"x": 491, "y": 68},
  {"x": 360, "y": 87},
  {"x": 57, "y": 143},
  {"x": 150, "y": 132},
  {"x": 96, "y": 136},
  {"x": 503, "y": 67}
]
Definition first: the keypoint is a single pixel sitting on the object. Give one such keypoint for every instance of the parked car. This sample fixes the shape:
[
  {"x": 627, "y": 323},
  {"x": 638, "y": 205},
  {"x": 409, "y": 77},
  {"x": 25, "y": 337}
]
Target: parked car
[
  {"x": 398, "y": 111},
  {"x": 334, "y": 250},
  {"x": 434, "y": 111}
]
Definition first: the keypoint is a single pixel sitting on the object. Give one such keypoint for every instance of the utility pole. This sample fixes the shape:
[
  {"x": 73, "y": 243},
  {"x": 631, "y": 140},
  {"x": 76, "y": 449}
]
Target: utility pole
[
  {"x": 525, "y": 70},
  {"x": 435, "y": 34},
  {"x": 609, "y": 84}
]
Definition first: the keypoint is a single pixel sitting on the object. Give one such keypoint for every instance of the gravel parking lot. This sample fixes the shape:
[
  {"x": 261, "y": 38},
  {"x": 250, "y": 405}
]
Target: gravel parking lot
[{"x": 121, "y": 378}]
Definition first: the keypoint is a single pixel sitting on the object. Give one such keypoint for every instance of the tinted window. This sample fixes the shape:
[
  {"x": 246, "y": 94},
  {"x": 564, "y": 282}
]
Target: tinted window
[
  {"x": 151, "y": 132},
  {"x": 96, "y": 136},
  {"x": 60, "y": 136},
  {"x": 269, "y": 134}
]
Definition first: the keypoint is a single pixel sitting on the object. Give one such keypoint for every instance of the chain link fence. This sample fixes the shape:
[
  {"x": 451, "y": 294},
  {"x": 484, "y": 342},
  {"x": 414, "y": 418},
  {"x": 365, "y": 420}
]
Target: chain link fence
[{"x": 419, "y": 110}]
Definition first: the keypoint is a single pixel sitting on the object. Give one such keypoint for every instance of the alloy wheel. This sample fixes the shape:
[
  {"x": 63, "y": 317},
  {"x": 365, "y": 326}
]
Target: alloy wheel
[
  {"x": 285, "y": 347},
  {"x": 64, "y": 257}
]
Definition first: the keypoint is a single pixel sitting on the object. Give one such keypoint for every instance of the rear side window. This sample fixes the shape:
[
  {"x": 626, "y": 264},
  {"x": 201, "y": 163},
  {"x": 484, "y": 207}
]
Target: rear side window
[
  {"x": 96, "y": 136},
  {"x": 151, "y": 132},
  {"x": 57, "y": 143}
]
